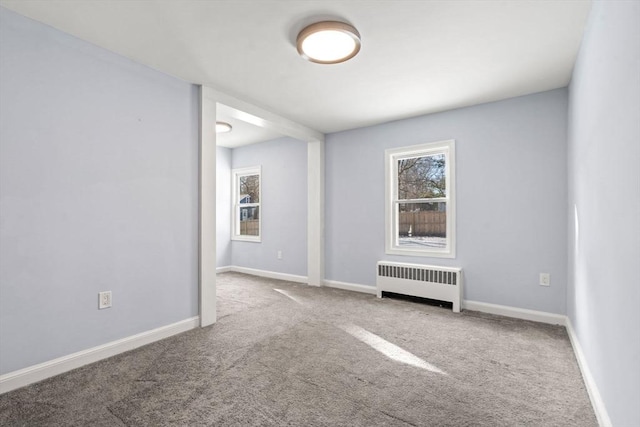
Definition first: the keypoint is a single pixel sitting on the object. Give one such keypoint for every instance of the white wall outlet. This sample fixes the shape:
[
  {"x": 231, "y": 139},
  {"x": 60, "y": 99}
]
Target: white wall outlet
[
  {"x": 545, "y": 279},
  {"x": 104, "y": 300},
  {"x": 279, "y": 254}
]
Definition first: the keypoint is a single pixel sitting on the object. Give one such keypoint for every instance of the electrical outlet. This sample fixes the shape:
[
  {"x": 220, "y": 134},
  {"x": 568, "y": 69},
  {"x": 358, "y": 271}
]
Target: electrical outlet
[
  {"x": 545, "y": 279},
  {"x": 104, "y": 300},
  {"x": 279, "y": 254}
]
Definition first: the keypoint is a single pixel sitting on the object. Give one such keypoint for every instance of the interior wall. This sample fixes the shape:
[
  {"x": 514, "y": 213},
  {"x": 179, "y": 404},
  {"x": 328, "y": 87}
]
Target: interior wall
[
  {"x": 283, "y": 207},
  {"x": 511, "y": 198},
  {"x": 604, "y": 205},
  {"x": 223, "y": 207},
  {"x": 98, "y": 191}
]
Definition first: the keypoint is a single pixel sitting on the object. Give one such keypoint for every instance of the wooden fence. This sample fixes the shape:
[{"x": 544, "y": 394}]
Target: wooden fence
[
  {"x": 250, "y": 227},
  {"x": 423, "y": 223}
]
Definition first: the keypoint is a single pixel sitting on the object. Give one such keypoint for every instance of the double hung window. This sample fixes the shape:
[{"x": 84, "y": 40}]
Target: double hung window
[
  {"x": 420, "y": 202},
  {"x": 246, "y": 204}
]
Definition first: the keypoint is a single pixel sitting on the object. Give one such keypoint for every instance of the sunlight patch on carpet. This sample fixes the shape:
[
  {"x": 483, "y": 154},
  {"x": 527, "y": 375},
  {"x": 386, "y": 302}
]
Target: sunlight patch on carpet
[
  {"x": 390, "y": 350},
  {"x": 288, "y": 295}
]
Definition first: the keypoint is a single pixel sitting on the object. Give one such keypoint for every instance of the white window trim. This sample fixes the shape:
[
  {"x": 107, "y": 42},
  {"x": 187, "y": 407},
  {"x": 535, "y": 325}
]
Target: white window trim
[
  {"x": 391, "y": 164},
  {"x": 235, "y": 206}
]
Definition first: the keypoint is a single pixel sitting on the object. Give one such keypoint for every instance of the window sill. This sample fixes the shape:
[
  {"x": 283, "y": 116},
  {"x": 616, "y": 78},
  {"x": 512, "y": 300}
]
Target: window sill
[
  {"x": 420, "y": 253},
  {"x": 254, "y": 239}
]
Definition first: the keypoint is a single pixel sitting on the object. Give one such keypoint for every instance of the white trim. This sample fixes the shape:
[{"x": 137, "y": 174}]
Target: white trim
[
  {"x": 446, "y": 147},
  {"x": 354, "y": 287},
  {"x": 251, "y": 113},
  {"x": 207, "y": 211},
  {"x": 213, "y": 101},
  {"x": 39, "y": 372},
  {"x": 258, "y": 116},
  {"x": 515, "y": 312},
  {"x": 502, "y": 310},
  {"x": 315, "y": 212},
  {"x": 269, "y": 274},
  {"x": 224, "y": 269},
  {"x": 594, "y": 394}
]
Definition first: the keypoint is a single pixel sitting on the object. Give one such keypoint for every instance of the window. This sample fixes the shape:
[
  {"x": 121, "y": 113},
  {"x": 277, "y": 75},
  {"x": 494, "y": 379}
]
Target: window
[
  {"x": 246, "y": 204},
  {"x": 420, "y": 200}
]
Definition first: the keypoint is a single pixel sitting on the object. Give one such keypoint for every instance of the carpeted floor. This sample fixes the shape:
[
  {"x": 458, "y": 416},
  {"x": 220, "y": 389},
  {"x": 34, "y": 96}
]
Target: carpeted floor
[{"x": 288, "y": 354}]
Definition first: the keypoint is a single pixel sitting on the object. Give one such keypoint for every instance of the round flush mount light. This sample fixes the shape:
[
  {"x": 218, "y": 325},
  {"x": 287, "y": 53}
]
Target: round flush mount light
[
  {"x": 223, "y": 127},
  {"x": 328, "y": 42}
]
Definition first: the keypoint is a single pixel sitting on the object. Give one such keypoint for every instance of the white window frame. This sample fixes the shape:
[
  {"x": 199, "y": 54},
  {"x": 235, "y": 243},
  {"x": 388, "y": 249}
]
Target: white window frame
[
  {"x": 236, "y": 174},
  {"x": 391, "y": 198}
]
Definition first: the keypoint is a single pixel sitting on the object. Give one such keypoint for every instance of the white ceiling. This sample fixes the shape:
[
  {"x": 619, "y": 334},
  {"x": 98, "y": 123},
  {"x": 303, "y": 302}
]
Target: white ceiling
[{"x": 417, "y": 57}]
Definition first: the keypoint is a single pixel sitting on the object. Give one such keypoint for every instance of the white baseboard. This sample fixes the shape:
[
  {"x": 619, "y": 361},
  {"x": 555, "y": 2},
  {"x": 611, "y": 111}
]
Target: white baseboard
[
  {"x": 503, "y": 310},
  {"x": 269, "y": 274},
  {"x": 350, "y": 286},
  {"x": 224, "y": 269},
  {"x": 515, "y": 312},
  {"x": 35, "y": 373},
  {"x": 589, "y": 382}
]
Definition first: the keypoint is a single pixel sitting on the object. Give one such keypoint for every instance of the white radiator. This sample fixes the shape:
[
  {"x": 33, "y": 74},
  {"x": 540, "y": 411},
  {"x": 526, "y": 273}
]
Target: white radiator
[{"x": 425, "y": 281}]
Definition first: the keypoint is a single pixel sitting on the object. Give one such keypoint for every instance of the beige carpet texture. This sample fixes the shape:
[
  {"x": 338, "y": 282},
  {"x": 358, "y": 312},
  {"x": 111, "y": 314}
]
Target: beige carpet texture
[{"x": 286, "y": 354}]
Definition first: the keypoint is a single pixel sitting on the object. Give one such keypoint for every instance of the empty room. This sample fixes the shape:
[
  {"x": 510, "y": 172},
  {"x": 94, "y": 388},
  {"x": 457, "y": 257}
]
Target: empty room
[{"x": 320, "y": 213}]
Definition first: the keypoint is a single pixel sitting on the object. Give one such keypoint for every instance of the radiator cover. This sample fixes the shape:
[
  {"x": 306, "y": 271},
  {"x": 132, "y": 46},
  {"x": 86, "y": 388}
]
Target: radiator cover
[{"x": 425, "y": 281}]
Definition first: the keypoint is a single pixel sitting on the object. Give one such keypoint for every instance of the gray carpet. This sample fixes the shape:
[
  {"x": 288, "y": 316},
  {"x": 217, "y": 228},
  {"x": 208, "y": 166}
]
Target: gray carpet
[{"x": 304, "y": 357}]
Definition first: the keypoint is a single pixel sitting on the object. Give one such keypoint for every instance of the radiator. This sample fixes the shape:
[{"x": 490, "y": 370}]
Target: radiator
[{"x": 425, "y": 281}]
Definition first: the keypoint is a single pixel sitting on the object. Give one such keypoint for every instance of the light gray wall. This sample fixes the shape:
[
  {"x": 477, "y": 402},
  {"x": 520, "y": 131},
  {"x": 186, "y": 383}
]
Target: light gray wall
[
  {"x": 98, "y": 191},
  {"x": 223, "y": 207},
  {"x": 511, "y": 198},
  {"x": 604, "y": 189},
  {"x": 283, "y": 206}
]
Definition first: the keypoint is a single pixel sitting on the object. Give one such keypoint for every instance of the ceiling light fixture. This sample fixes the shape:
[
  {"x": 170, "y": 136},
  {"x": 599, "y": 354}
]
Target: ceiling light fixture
[
  {"x": 328, "y": 42},
  {"x": 223, "y": 127}
]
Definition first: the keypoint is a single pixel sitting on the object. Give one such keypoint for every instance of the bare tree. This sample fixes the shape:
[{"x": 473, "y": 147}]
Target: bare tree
[
  {"x": 422, "y": 177},
  {"x": 250, "y": 185}
]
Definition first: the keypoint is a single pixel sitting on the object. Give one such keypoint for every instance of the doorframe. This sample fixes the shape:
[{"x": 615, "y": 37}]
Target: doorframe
[{"x": 211, "y": 101}]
